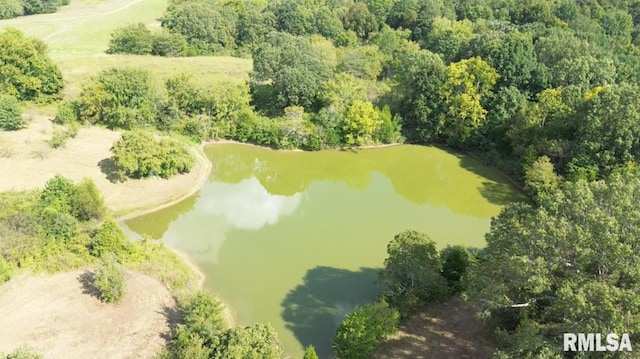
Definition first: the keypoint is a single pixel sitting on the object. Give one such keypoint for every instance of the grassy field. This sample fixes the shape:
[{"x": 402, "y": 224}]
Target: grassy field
[{"x": 78, "y": 35}]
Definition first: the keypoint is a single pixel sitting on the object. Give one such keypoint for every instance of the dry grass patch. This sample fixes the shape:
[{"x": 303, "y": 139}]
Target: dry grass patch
[
  {"x": 33, "y": 162},
  {"x": 61, "y": 317}
]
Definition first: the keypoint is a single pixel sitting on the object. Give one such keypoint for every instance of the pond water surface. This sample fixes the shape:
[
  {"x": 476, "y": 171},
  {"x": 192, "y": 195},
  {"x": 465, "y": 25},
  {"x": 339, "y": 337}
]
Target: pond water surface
[{"x": 295, "y": 239}]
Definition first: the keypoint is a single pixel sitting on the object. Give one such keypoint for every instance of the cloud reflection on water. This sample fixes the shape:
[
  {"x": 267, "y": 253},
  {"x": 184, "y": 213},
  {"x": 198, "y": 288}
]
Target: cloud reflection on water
[{"x": 223, "y": 207}]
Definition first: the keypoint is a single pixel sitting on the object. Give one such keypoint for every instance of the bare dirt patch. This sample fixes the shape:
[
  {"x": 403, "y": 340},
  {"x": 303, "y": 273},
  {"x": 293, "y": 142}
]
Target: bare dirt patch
[
  {"x": 444, "y": 331},
  {"x": 27, "y": 162},
  {"x": 61, "y": 316}
]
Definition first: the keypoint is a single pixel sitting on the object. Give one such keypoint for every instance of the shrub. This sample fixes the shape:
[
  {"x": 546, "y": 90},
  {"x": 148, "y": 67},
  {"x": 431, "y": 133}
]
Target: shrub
[
  {"x": 204, "y": 316},
  {"x": 110, "y": 279},
  {"x": 108, "y": 239},
  {"x": 61, "y": 135},
  {"x": 137, "y": 154},
  {"x": 24, "y": 352},
  {"x": 67, "y": 112},
  {"x": 166, "y": 43},
  {"x": 6, "y": 270},
  {"x": 186, "y": 344},
  {"x": 10, "y": 117},
  {"x": 131, "y": 39},
  {"x": 256, "y": 341},
  {"x": 310, "y": 353},
  {"x": 86, "y": 202},
  {"x": 359, "y": 333},
  {"x": 57, "y": 193}
]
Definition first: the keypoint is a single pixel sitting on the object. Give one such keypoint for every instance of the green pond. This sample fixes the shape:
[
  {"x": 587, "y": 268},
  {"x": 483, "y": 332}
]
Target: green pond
[{"x": 295, "y": 239}]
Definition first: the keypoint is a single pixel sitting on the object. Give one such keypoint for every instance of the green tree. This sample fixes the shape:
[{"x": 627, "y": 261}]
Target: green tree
[
  {"x": 10, "y": 115},
  {"x": 258, "y": 341},
  {"x": 420, "y": 76},
  {"x": 118, "y": 98},
  {"x": 26, "y": 71},
  {"x": 411, "y": 276},
  {"x": 165, "y": 43},
  {"x": 310, "y": 353},
  {"x": 467, "y": 83},
  {"x": 11, "y": 8},
  {"x": 292, "y": 67},
  {"x": 294, "y": 17},
  {"x": 360, "y": 20},
  {"x": 131, "y": 39},
  {"x": 86, "y": 201},
  {"x": 361, "y": 122},
  {"x": 455, "y": 261},
  {"x": 6, "y": 270},
  {"x": 137, "y": 154},
  {"x": 608, "y": 130},
  {"x": 110, "y": 279},
  {"x": 447, "y": 37},
  {"x": 108, "y": 239},
  {"x": 540, "y": 178},
  {"x": 209, "y": 29},
  {"x": 57, "y": 194},
  {"x": 204, "y": 316},
  {"x": 513, "y": 56},
  {"x": 360, "y": 332},
  {"x": 568, "y": 265},
  {"x": 363, "y": 62}
]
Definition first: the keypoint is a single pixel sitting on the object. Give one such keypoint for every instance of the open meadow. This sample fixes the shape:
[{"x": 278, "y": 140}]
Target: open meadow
[{"x": 78, "y": 36}]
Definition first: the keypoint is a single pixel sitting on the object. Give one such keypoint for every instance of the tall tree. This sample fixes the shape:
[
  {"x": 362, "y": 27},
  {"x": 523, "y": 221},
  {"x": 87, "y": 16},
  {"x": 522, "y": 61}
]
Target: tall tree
[
  {"x": 26, "y": 71},
  {"x": 569, "y": 265},
  {"x": 411, "y": 275},
  {"x": 291, "y": 67},
  {"x": 467, "y": 83}
]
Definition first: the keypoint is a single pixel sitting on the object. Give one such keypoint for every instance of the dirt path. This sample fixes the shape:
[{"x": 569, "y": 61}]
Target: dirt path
[
  {"x": 444, "y": 331},
  {"x": 62, "y": 317},
  {"x": 27, "y": 162}
]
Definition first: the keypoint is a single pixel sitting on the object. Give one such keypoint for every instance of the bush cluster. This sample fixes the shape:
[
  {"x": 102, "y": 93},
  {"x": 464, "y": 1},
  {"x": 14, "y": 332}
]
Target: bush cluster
[
  {"x": 10, "y": 115},
  {"x": 138, "y": 40},
  {"x": 13, "y": 8},
  {"x": 204, "y": 334},
  {"x": 138, "y": 154},
  {"x": 360, "y": 332}
]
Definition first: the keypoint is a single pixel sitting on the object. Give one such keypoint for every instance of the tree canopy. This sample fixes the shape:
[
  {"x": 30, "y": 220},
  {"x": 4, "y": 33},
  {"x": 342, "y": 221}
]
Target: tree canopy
[
  {"x": 569, "y": 265},
  {"x": 26, "y": 71}
]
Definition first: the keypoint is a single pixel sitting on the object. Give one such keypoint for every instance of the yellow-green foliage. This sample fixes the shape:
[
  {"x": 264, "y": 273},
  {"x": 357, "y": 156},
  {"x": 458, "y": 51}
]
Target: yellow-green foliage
[
  {"x": 110, "y": 279},
  {"x": 27, "y": 72},
  {"x": 361, "y": 122},
  {"x": 137, "y": 154}
]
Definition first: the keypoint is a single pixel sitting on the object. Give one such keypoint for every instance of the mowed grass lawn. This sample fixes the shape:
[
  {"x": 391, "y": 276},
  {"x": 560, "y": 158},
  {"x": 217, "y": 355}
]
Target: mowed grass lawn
[{"x": 78, "y": 36}]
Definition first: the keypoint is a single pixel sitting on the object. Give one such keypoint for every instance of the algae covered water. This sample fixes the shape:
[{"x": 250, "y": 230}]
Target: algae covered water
[{"x": 296, "y": 239}]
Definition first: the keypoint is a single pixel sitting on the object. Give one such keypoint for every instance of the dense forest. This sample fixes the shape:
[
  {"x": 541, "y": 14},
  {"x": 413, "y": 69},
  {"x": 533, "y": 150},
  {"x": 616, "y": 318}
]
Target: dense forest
[
  {"x": 526, "y": 84},
  {"x": 546, "y": 91}
]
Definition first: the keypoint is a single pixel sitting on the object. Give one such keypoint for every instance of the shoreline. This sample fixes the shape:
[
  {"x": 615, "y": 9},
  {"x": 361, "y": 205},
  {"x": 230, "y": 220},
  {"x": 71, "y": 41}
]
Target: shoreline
[{"x": 201, "y": 159}]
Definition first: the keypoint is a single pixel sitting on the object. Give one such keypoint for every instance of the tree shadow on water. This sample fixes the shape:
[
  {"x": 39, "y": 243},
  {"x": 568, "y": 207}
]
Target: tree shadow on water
[
  {"x": 314, "y": 309},
  {"x": 497, "y": 188}
]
